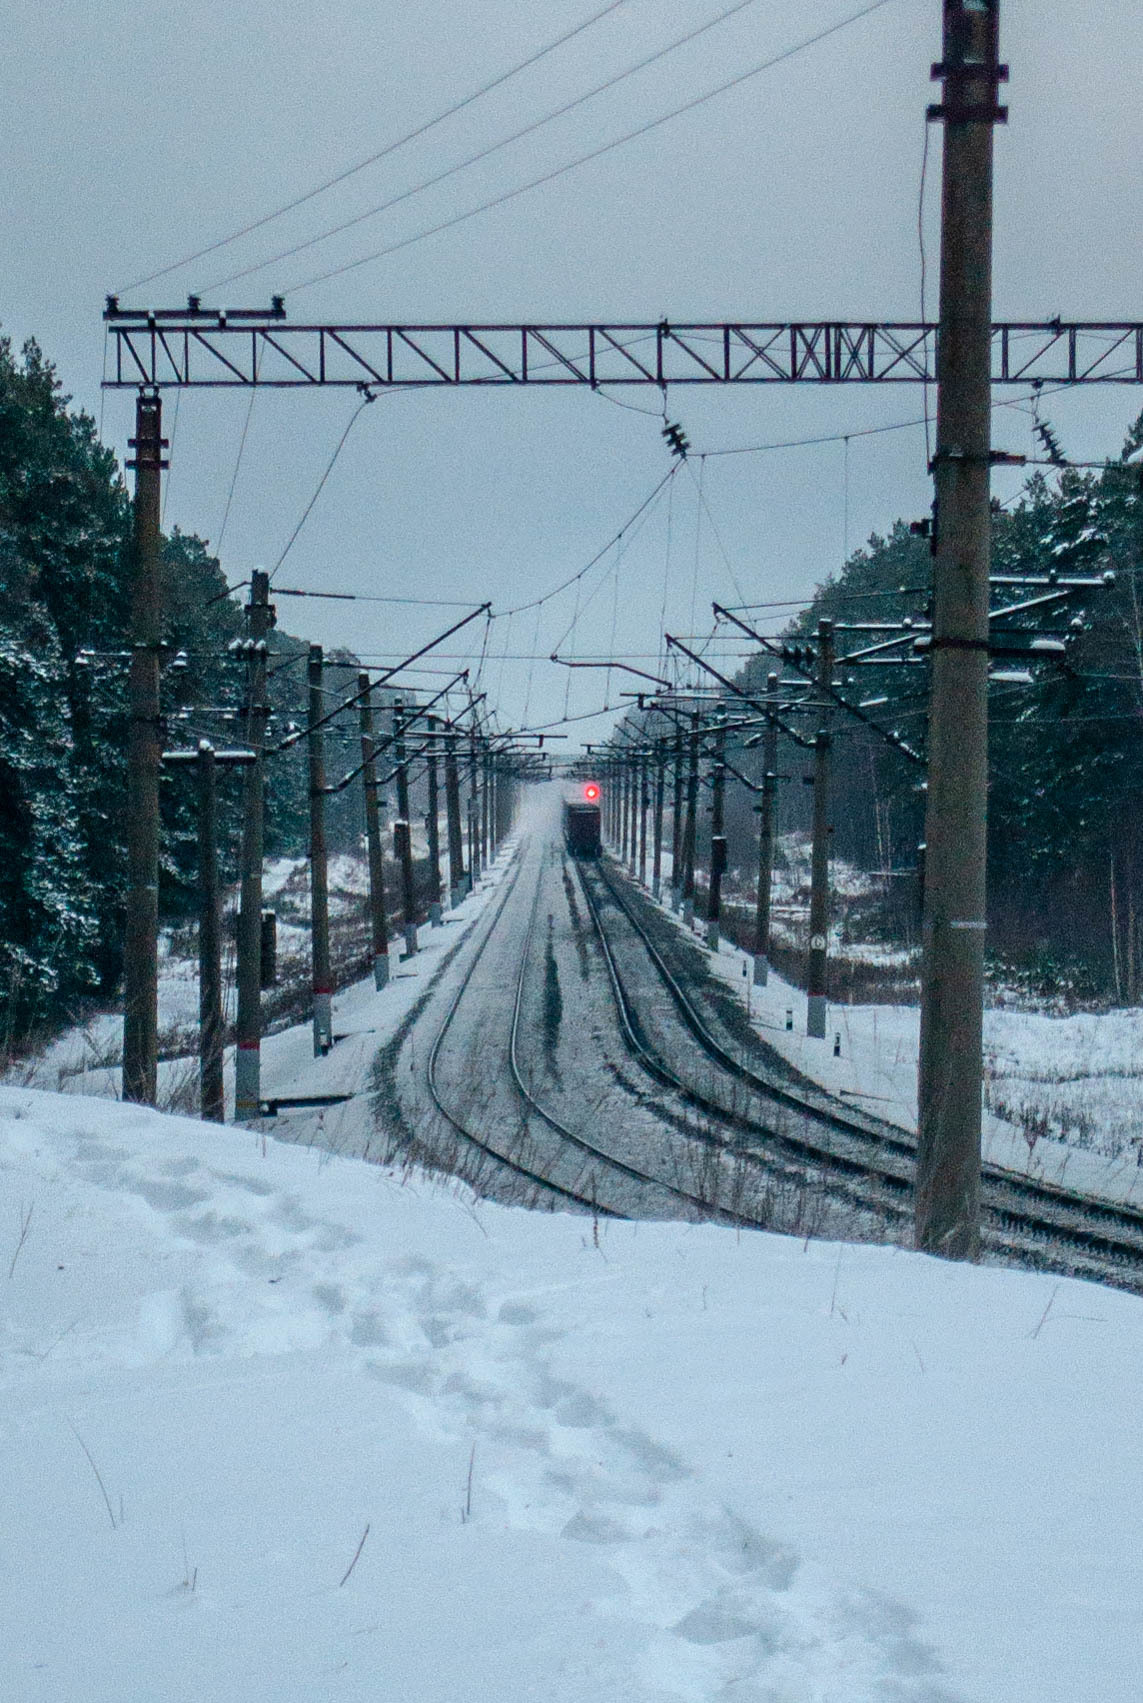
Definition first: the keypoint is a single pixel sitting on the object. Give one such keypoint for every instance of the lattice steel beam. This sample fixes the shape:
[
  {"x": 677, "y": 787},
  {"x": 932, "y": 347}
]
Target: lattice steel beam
[{"x": 201, "y": 347}]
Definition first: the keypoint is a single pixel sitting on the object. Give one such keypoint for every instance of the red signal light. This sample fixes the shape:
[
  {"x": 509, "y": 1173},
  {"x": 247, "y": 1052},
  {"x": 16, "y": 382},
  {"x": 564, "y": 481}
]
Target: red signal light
[{"x": 591, "y": 792}]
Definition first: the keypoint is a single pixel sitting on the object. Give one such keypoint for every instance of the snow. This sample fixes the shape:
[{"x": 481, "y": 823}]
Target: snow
[
  {"x": 283, "y": 1425},
  {"x": 703, "y": 1465},
  {"x": 85, "y": 1060},
  {"x": 1071, "y": 1086}
]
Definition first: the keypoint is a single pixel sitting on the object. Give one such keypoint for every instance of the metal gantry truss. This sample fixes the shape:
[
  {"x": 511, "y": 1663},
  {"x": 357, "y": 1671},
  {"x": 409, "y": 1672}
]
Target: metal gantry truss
[{"x": 173, "y": 348}]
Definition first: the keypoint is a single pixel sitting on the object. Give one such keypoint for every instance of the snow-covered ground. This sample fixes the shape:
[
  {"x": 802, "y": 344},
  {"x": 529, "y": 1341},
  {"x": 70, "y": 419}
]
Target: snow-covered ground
[
  {"x": 1063, "y": 1095},
  {"x": 85, "y": 1060},
  {"x": 279, "y": 1427}
]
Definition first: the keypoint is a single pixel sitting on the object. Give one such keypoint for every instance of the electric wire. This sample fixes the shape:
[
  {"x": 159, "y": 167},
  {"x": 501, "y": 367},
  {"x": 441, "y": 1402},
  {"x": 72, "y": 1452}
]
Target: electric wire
[
  {"x": 167, "y": 480},
  {"x": 595, "y": 153},
  {"x": 382, "y": 153},
  {"x": 718, "y": 538},
  {"x": 482, "y": 153},
  {"x": 354, "y": 417},
  {"x": 924, "y": 279},
  {"x": 371, "y": 597},
  {"x": 238, "y": 458},
  {"x": 519, "y": 608}
]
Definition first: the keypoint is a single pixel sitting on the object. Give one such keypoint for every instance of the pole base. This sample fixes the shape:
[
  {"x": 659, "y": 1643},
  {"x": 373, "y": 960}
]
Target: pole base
[
  {"x": 761, "y": 970},
  {"x": 435, "y": 914},
  {"x": 411, "y": 939},
  {"x": 688, "y": 911},
  {"x": 381, "y": 971},
  {"x": 323, "y": 1024},
  {"x": 816, "y": 1013},
  {"x": 247, "y": 1083},
  {"x": 712, "y": 936},
  {"x": 654, "y": 887}
]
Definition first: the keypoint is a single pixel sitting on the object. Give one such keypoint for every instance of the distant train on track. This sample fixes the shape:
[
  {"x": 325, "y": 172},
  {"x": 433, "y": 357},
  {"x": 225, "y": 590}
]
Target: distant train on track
[{"x": 582, "y": 822}]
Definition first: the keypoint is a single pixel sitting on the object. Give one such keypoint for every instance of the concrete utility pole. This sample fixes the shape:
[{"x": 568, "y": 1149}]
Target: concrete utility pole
[
  {"x": 378, "y": 924},
  {"x": 247, "y": 1056},
  {"x": 689, "y": 821},
  {"x": 952, "y": 969},
  {"x": 657, "y": 831},
  {"x": 434, "y": 830},
  {"x": 144, "y": 748},
  {"x": 677, "y": 827},
  {"x": 624, "y": 806},
  {"x": 644, "y": 805},
  {"x": 485, "y": 812},
  {"x": 211, "y": 1103},
  {"x": 816, "y": 1004},
  {"x": 767, "y": 815},
  {"x": 473, "y": 809},
  {"x": 452, "y": 812},
  {"x": 403, "y": 833},
  {"x": 717, "y": 839},
  {"x": 319, "y": 865}
]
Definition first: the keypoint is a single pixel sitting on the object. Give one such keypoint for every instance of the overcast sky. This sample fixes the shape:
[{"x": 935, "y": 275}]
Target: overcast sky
[{"x": 132, "y": 139}]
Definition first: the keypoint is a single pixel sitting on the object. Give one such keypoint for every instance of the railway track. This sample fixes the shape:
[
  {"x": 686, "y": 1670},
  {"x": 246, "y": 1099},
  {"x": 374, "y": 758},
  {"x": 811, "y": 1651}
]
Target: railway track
[
  {"x": 1036, "y": 1224},
  {"x": 606, "y": 1168}
]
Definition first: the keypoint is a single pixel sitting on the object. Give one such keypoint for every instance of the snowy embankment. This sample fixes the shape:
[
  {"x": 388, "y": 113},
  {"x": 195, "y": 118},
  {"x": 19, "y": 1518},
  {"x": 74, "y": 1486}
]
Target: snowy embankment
[
  {"x": 1063, "y": 1095},
  {"x": 85, "y": 1060},
  {"x": 279, "y": 1428}
]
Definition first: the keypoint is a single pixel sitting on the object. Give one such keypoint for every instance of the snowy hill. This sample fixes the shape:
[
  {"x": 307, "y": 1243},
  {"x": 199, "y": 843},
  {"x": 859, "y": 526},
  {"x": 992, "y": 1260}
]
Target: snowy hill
[{"x": 279, "y": 1427}]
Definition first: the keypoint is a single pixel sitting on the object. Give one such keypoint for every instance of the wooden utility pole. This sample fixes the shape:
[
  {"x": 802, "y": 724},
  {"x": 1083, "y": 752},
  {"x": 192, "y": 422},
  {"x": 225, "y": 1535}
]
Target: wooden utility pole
[
  {"x": 433, "y": 827},
  {"x": 657, "y": 830},
  {"x": 952, "y": 969},
  {"x": 378, "y": 924},
  {"x": 717, "y": 838},
  {"x": 688, "y": 847},
  {"x": 816, "y": 1004},
  {"x": 767, "y": 815},
  {"x": 319, "y": 865},
  {"x": 211, "y": 1102},
  {"x": 247, "y": 1056},
  {"x": 403, "y": 833},
  {"x": 144, "y": 747},
  {"x": 452, "y": 812}
]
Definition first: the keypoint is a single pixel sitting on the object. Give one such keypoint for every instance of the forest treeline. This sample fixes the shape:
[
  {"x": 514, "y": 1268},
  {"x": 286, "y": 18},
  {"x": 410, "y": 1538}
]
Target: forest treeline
[
  {"x": 65, "y": 529},
  {"x": 1066, "y": 753}
]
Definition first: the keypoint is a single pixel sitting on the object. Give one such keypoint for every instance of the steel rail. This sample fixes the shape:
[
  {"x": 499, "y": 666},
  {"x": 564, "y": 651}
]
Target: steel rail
[
  {"x": 795, "y": 1154},
  {"x": 1016, "y": 1227},
  {"x": 462, "y": 1130},
  {"x": 644, "y": 1178}
]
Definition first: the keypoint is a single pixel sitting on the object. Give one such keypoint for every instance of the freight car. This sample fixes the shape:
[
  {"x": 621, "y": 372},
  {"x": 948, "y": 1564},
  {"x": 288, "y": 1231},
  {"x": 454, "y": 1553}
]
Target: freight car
[{"x": 581, "y": 825}]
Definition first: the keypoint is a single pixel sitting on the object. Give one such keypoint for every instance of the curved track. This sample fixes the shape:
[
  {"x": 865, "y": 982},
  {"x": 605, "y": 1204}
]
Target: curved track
[{"x": 1038, "y": 1224}]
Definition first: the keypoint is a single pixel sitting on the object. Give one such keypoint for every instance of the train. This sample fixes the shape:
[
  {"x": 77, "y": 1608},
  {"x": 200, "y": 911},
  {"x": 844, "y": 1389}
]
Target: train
[{"x": 582, "y": 835}]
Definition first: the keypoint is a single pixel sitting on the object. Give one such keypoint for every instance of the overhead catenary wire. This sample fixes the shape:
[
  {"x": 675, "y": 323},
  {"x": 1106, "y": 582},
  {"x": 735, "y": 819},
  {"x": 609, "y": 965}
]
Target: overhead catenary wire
[
  {"x": 238, "y": 457},
  {"x": 370, "y": 597},
  {"x": 381, "y": 153},
  {"x": 482, "y": 153},
  {"x": 596, "y": 153},
  {"x": 520, "y": 608},
  {"x": 353, "y": 419}
]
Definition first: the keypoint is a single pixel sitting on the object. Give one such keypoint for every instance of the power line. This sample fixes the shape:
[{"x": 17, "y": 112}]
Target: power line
[
  {"x": 483, "y": 153},
  {"x": 596, "y": 153},
  {"x": 237, "y": 463},
  {"x": 390, "y": 148},
  {"x": 362, "y": 597},
  {"x": 354, "y": 417},
  {"x": 499, "y": 614}
]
